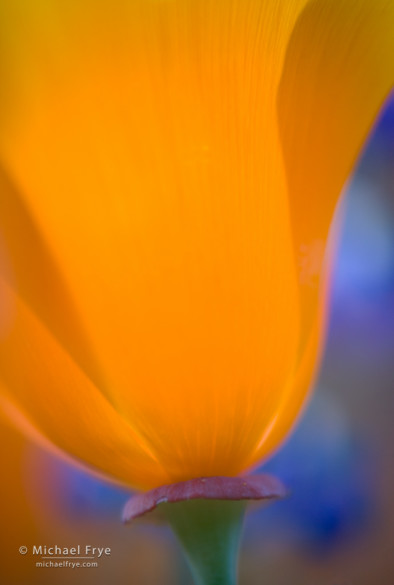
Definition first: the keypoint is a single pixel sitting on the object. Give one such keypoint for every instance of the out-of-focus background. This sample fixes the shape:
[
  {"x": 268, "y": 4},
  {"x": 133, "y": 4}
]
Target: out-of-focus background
[{"x": 337, "y": 528}]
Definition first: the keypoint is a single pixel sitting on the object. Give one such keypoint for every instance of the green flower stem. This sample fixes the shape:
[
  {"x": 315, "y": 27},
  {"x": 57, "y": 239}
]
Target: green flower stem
[{"x": 209, "y": 532}]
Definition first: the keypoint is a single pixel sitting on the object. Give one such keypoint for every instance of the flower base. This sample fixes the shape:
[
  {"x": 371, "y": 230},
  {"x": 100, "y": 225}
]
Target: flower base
[{"x": 206, "y": 515}]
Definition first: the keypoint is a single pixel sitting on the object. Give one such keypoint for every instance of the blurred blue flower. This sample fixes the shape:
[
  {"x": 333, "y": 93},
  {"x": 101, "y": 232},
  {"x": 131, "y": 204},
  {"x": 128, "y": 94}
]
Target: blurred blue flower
[{"x": 331, "y": 482}]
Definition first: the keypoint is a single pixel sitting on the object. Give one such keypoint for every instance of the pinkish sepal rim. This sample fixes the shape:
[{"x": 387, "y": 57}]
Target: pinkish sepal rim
[{"x": 250, "y": 487}]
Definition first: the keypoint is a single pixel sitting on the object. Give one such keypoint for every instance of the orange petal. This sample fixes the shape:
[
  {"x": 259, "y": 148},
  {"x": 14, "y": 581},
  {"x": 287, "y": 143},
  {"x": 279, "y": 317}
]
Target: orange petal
[
  {"x": 338, "y": 71},
  {"x": 144, "y": 139},
  {"x": 52, "y": 399},
  {"x": 28, "y": 266},
  {"x": 145, "y": 143}
]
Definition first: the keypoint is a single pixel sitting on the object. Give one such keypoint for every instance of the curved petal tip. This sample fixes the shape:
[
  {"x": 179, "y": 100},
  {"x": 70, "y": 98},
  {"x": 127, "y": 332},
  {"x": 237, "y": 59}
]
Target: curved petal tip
[{"x": 252, "y": 487}]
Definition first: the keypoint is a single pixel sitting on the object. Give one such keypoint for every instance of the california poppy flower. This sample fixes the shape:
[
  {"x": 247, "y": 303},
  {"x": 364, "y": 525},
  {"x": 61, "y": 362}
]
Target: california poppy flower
[{"x": 169, "y": 175}]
